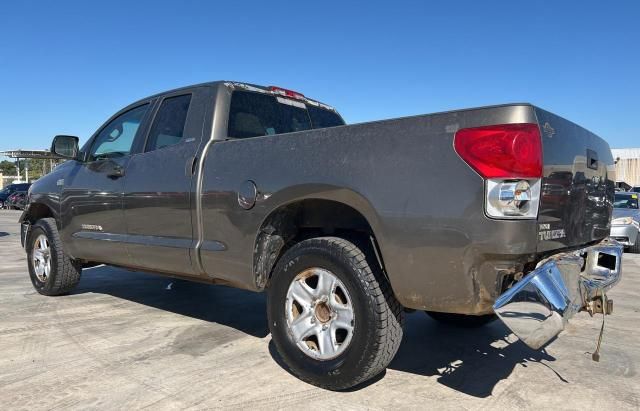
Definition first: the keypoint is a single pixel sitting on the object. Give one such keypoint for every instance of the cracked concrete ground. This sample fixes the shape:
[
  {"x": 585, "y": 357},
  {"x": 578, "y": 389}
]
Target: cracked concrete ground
[{"x": 126, "y": 340}]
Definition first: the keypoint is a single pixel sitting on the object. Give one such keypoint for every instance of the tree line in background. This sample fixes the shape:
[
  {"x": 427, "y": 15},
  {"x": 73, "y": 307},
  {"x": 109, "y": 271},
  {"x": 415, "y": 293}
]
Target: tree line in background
[
  {"x": 8, "y": 168},
  {"x": 37, "y": 167}
]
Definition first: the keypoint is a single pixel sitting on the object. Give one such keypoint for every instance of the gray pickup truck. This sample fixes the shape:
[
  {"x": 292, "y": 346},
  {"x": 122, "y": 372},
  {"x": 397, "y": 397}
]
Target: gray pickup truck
[{"x": 495, "y": 212}]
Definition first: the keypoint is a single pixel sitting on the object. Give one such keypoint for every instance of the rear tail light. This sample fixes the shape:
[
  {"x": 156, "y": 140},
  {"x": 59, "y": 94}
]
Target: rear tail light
[
  {"x": 509, "y": 158},
  {"x": 512, "y": 198},
  {"x": 502, "y": 151}
]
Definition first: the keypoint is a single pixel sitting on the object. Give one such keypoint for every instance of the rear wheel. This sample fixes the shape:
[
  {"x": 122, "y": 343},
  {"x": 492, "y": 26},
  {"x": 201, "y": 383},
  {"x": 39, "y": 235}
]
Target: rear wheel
[
  {"x": 52, "y": 272},
  {"x": 461, "y": 320},
  {"x": 332, "y": 315},
  {"x": 636, "y": 247}
]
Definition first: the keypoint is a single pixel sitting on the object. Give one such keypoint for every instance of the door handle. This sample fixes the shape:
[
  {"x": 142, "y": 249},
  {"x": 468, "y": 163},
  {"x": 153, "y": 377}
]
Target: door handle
[{"x": 116, "y": 172}]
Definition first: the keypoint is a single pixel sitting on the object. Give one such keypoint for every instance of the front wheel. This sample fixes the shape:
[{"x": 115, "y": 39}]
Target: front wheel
[
  {"x": 635, "y": 248},
  {"x": 52, "y": 272},
  {"x": 332, "y": 315}
]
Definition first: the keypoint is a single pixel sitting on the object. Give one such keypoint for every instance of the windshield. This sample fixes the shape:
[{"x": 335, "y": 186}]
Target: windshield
[
  {"x": 626, "y": 201},
  {"x": 256, "y": 114}
]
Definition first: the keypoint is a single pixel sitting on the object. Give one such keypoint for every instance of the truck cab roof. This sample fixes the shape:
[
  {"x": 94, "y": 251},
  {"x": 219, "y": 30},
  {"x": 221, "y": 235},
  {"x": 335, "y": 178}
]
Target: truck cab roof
[{"x": 275, "y": 90}]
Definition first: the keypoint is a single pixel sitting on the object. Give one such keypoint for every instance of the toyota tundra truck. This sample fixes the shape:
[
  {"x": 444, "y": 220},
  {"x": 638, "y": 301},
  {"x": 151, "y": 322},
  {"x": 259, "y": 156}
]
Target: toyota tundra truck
[{"x": 470, "y": 215}]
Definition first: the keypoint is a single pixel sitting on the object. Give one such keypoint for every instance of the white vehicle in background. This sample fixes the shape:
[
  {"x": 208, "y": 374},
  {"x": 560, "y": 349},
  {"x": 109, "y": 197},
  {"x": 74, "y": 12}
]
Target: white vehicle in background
[{"x": 625, "y": 225}]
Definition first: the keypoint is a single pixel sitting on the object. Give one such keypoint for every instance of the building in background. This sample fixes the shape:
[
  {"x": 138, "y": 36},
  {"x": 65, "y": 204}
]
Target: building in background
[{"x": 627, "y": 165}]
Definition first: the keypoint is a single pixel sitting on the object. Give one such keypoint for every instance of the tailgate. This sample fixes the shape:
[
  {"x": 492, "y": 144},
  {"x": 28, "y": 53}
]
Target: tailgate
[{"x": 577, "y": 185}]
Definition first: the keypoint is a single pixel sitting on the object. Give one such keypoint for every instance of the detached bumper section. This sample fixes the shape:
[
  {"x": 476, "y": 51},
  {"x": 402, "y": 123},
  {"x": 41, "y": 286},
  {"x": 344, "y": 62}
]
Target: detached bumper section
[{"x": 538, "y": 307}]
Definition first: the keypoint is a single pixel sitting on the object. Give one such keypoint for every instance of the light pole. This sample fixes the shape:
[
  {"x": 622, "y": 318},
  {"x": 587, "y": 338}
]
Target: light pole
[{"x": 18, "y": 167}]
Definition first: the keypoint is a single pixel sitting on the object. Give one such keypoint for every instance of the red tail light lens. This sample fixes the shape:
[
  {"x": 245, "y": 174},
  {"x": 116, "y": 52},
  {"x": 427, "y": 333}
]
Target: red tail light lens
[{"x": 502, "y": 151}]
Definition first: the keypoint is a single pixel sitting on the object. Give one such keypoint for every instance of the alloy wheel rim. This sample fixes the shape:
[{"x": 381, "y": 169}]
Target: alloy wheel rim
[
  {"x": 319, "y": 314},
  {"x": 41, "y": 257}
]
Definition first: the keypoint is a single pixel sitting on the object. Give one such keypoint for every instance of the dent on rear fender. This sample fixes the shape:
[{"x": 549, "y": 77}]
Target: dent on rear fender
[{"x": 471, "y": 291}]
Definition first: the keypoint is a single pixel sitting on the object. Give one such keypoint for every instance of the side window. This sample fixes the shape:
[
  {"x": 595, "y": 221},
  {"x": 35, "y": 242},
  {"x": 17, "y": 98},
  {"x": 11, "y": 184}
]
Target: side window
[
  {"x": 116, "y": 138},
  {"x": 168, "y": 125}
]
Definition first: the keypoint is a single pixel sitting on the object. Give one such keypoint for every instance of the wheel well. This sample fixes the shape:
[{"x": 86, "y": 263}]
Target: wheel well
[
  {"x": 305, "y": 219},
  {"x": 36, "y": 212}
]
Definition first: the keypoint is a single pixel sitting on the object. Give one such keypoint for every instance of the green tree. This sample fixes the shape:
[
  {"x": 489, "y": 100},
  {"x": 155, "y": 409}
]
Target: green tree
[
  {"x": 38, "y": 167},
  {"x": 7, "y": 168}
]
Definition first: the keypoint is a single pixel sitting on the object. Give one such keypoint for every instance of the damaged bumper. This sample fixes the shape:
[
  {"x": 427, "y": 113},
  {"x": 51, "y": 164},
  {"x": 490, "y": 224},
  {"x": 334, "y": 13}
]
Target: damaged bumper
[{"x": 538, "y": 307}]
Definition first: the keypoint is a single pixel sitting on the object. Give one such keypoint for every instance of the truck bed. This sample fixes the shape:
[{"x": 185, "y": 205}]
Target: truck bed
[{"x": 424, "y": 203}]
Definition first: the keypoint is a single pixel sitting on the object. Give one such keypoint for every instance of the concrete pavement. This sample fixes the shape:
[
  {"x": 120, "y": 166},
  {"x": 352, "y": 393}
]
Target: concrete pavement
[{"x": 127, "y": 340}]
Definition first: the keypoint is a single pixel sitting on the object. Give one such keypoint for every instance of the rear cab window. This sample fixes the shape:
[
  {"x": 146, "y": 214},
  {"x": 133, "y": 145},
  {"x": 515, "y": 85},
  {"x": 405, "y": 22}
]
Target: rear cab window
[
  {"x": 254, "y": 114},
  {"x": 321, "y": 118}
]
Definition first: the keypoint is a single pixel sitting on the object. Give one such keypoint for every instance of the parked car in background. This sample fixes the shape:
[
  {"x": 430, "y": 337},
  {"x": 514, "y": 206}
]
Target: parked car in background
[
  {"x": 8, "y": 204},
  {"x": 635, "y": 189},
  {"x": 10, "y": 189},
  {"x": 17, "y": 201},
  {"x": 626, "y": 221}
]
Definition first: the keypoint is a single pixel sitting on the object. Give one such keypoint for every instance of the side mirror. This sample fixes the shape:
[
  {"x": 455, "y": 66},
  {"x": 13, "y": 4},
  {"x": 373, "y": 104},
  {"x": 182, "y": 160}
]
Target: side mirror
[{"x": 65, "y": 146}]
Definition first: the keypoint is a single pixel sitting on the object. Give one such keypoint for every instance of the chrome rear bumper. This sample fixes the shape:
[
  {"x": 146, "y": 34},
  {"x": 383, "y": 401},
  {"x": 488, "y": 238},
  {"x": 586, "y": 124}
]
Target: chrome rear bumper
[{"x": 538, "y": 307}]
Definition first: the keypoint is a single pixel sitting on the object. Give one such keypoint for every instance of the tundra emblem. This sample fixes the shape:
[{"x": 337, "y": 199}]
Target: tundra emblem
[
  {"x": 545, "y": 233},
  {"x": 548, "y": 130}
]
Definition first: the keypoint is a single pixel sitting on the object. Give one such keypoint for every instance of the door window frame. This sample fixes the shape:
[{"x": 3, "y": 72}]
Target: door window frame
[
  {"x": 142, "y": 129},
  {"x": 144, "y": 142}
]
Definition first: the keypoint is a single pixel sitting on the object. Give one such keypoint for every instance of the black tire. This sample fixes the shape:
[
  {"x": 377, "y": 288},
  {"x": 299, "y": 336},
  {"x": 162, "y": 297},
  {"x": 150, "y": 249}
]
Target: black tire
[
  {"x": 635, "y": 249},
  {"x": 379, "y": 317},
  {"x": 64, "y": 273},
  {"x": 461, "y": 320}
]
